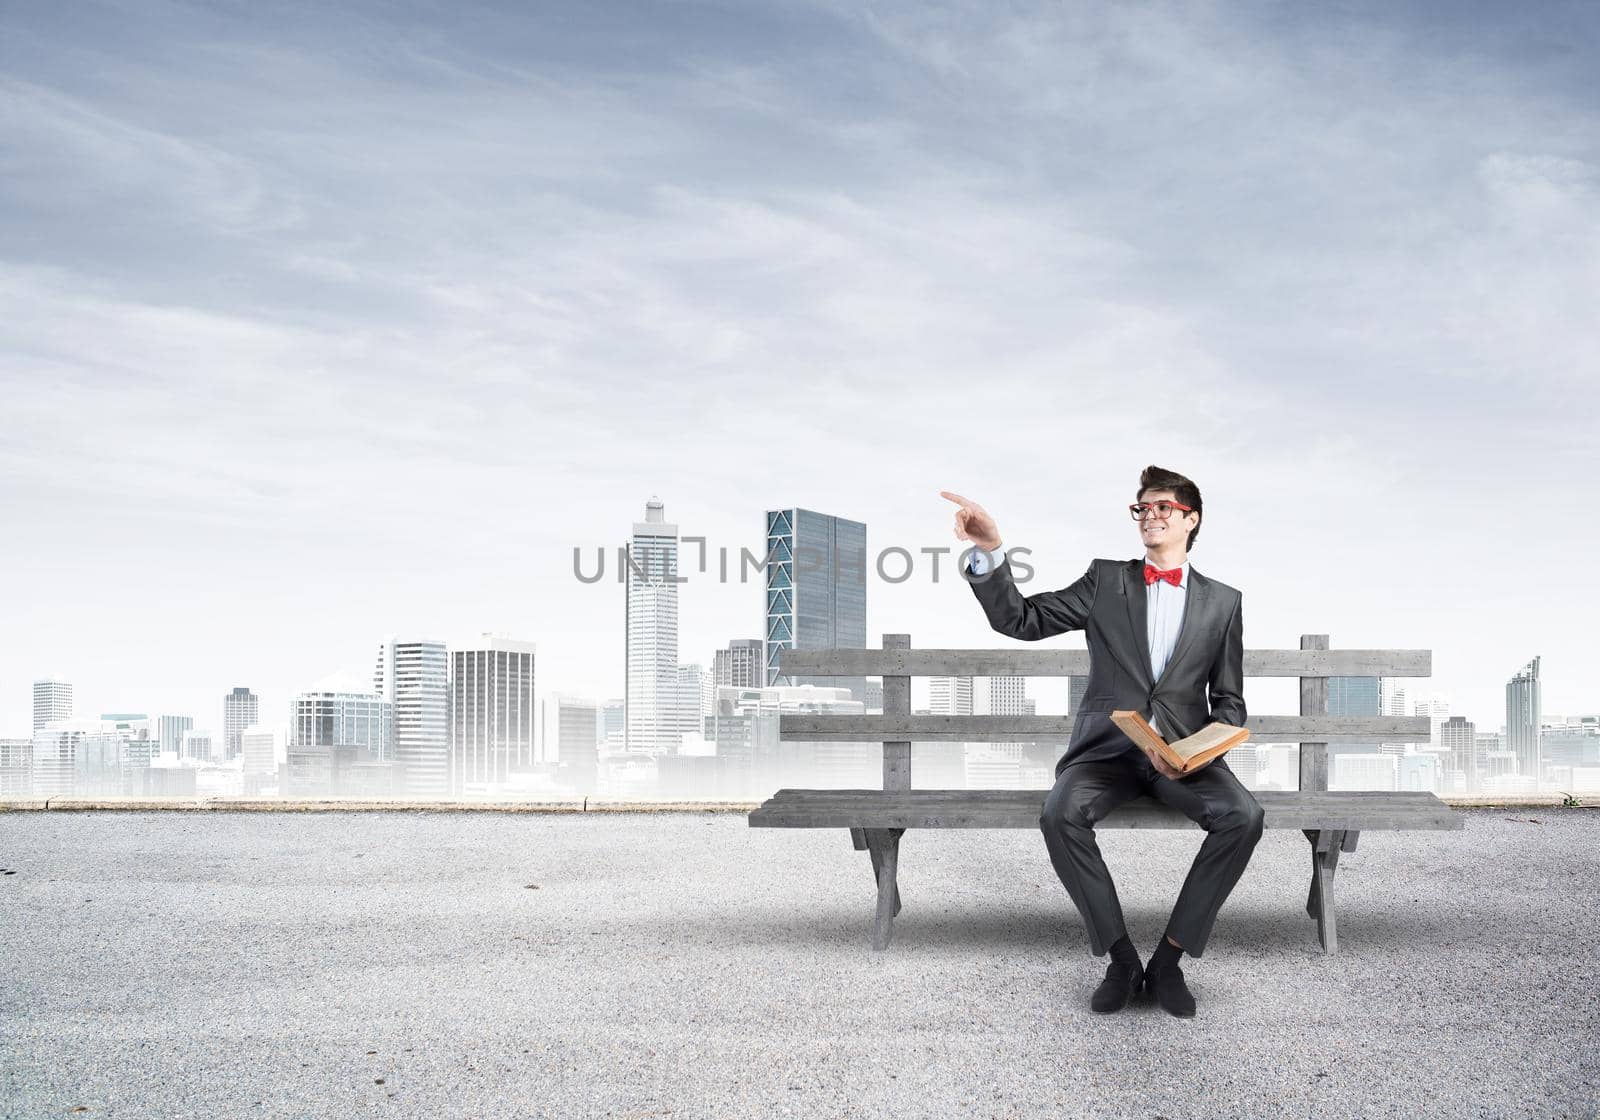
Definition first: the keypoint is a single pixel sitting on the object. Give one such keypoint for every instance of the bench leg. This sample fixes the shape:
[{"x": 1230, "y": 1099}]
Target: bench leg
[
  {"x": 858, "y": 837},
  {"x": 884, "y": 845},
  {"x": 1325, "y": 847}
]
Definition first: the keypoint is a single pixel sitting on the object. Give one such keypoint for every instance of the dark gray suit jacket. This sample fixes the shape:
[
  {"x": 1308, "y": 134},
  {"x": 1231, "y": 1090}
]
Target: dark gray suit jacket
[{"x": 1108, "y": 604}]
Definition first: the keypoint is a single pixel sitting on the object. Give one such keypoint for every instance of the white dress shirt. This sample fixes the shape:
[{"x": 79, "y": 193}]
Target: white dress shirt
[
  {"x": 1163, "y": 610},
  {"x": 1163, "y": 616}
]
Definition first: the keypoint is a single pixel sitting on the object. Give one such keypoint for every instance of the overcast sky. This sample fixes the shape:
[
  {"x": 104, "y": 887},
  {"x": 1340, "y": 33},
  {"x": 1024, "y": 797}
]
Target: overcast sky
[{"x": 325, "y": 322}]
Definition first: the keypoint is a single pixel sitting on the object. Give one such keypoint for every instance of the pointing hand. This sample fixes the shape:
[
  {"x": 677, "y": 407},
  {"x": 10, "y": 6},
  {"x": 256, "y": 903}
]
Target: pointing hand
[{"x": 973, "y": 522}]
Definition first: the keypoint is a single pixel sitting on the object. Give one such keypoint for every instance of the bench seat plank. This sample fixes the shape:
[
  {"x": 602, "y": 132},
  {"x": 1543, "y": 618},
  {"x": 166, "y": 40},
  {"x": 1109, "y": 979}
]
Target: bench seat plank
[{"x": 1342, "y": 810}]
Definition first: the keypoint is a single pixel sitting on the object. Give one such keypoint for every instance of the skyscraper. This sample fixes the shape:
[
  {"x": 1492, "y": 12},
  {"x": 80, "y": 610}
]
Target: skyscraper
[
  {"x": 738, "y": 666},
  {"x": 52, "y": 700},
  {"x": 491, "y": 713},
  {"x": 1437, "y": 709},
  {"x": 1008, "y": 696},
  {"x": 1459, "y": 738},
  {"x": 1392, "y": 702},
  {"x": 816, "y": 591},
  {"x": 579, "y": 730},
  {"x": 414, "y": 676},
  {"x": 950, "y": 696},
  {"x": 650, "y": 669},
  {"x": 169, "y": 732},
  {"x": 258, "y": 747},
  {"x": 1391, "y": 696},
  {"x": 197, "y": 745},
  {"x": 240, "y": 709},
  {"x": 1353, "y": 696},
  {"x": 1522, "y": 719},
  {"x": 696, "y": 700}
]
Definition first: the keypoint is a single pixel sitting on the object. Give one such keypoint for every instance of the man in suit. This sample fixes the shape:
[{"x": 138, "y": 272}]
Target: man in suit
[{"x": 1168, "y": 642}]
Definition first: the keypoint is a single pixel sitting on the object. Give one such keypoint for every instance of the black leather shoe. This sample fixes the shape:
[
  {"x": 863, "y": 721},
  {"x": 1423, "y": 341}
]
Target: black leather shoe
[
  {"x": 1122, "y": 980},
  {"x": 1166, "y": 983}
]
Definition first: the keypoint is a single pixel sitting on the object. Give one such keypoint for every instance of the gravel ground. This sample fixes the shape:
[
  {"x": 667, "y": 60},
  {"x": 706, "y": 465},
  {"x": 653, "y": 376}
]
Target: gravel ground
[{"x": 206, "y": 964}]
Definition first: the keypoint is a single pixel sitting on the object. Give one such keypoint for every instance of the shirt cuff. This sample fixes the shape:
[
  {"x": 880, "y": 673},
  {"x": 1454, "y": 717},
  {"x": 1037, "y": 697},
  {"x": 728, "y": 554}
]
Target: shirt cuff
[{"x": 983, "y": 561}]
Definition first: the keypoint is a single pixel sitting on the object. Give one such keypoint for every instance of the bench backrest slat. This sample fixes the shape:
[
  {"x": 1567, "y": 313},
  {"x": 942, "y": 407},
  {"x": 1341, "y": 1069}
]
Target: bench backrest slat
[
  {"x": 826, "y": 727},
  {"x": 896, "y": 663},
  {"x": 1075, "y": 662}
]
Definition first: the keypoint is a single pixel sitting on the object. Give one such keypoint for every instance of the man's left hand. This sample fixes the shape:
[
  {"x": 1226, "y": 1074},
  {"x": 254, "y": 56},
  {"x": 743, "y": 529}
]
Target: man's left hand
[{"x": 1163, "y": 767}]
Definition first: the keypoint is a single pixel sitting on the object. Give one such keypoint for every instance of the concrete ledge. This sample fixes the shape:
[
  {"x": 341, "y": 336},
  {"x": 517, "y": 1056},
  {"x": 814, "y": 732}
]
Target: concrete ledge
[
  {"x": 360, "y": 805},
  {"x": 1519, "y": 801},
  {"x": 591, "y": 805}
]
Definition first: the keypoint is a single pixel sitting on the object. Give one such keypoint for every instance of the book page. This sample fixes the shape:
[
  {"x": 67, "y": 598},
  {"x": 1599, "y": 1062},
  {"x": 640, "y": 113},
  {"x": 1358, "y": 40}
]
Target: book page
[{"x": 1204, "y": 739}]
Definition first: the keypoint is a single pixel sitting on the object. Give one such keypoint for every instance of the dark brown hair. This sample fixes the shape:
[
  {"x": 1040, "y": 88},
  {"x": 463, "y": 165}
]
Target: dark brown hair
[{"x": 1159, "y": 478}]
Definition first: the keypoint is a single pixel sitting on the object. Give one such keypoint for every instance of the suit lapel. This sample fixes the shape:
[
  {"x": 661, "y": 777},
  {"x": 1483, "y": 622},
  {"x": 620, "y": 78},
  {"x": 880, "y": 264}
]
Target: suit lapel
[
  {"x": 1138, "y": 613},
  {"x": 1194, "y": 608}
]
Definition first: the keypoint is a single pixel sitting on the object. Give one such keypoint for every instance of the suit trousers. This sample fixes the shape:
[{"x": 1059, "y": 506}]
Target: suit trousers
[{"x": 1212, "y": 797}]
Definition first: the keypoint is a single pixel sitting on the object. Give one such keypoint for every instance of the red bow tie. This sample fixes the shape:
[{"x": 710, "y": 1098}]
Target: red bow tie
[{"x": 1173, "y": 576}]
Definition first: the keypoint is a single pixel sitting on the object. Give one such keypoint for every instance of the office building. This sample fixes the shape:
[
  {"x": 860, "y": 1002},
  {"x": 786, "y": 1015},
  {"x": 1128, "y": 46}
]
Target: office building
[
  {"x": 738, "y": 666},
  {"x": 241, "y": 708},
  {"x": 258, "y": 752},
  {"x": 491, "y": 713},
  {"x": 414, "y": 676},
  {"x": 651, "y": 680},
  {"x": 1523, "y": 720},
  {"x": 1353, "y": 696},
  {"x": 347, "y": 719},
  {"x": 580, "y": 731},
  {"x": 816, "y": 590},
  {"x": 169, "y": 732},
  {"x": 196, "y": 745},
  {"x": 1458, "y": 738},
  {"x": 16, "y": 767},
  {"x": 52, "y": 701},
  {"x": 950, "y": 696}
]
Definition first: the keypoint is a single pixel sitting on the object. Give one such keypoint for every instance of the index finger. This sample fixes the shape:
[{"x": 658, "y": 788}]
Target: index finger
[{"x": 965, "y": 503}]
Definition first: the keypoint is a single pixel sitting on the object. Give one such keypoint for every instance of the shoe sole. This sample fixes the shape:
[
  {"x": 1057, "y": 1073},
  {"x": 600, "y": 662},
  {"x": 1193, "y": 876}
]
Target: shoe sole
[
  {"x": 1111, "y": 1010},
  {"x": 1133, "y": 994}
]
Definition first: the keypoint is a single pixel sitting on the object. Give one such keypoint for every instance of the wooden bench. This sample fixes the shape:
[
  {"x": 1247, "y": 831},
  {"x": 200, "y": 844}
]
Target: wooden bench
[{"x": 877, "y": 818}]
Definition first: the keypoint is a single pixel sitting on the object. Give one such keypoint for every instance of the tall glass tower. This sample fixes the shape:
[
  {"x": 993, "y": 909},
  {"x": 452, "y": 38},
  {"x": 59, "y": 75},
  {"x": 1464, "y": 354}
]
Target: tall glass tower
[
  {"x": 1353, "y": 696},
  {"x": 654, "y": 721},
  {"x": 1522, "y": 719},
  {"x": 240, "y": 709},
  {"x": 415, "y": 678},
  {"x": 816, "y": 591}
]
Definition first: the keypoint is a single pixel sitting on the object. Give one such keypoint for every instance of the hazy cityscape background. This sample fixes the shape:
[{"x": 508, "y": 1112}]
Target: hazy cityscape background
[
  {"x": 342, "y": 330},
  {"x": 464, "y": 722}
]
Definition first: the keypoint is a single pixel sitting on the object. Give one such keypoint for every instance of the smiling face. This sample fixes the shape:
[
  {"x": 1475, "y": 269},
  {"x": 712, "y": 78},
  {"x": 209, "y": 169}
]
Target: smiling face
[{"x": 1171, "y": 536}]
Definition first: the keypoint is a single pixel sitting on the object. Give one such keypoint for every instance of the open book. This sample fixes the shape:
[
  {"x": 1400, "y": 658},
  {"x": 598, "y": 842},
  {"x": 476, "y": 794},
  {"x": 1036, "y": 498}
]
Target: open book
[{"x": 1186, "y": 754}]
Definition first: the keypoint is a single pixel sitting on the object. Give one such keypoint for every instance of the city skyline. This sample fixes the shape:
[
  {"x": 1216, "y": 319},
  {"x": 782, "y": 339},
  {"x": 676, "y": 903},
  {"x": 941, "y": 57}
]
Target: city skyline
[
  {"x": 345, "y": 376},
  {"x": 351, "y": 678}
]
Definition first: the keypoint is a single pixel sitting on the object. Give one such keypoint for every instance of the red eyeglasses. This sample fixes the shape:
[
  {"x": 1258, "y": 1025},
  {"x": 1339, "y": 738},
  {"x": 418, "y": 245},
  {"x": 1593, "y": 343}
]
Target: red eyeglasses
[{"x": 1162, "y": 510}]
